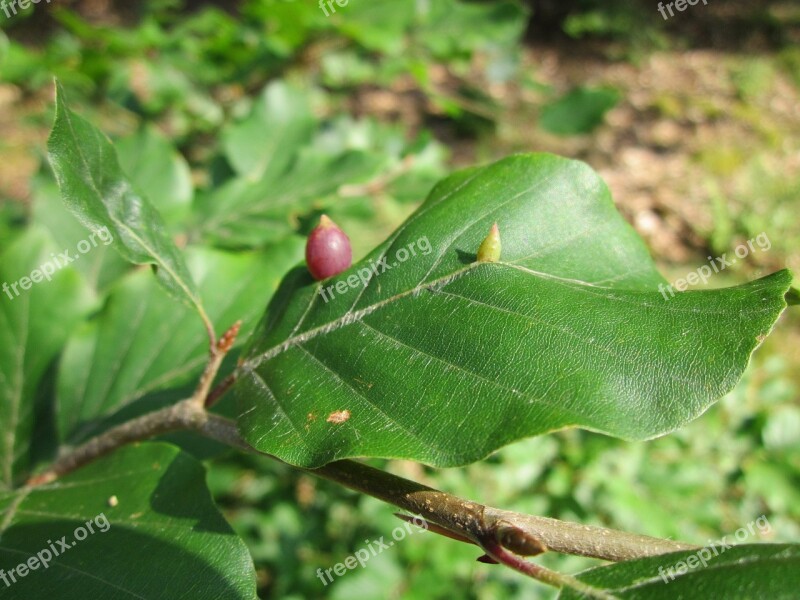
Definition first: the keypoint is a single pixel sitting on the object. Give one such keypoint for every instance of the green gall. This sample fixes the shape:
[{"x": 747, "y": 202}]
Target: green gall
[{"x": 489, "y": 250}]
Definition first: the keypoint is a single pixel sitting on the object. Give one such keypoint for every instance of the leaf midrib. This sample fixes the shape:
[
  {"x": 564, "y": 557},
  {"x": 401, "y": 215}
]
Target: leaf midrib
[
  {"x": 355, "y": 316},
  {"x": 349, "y": 317}
]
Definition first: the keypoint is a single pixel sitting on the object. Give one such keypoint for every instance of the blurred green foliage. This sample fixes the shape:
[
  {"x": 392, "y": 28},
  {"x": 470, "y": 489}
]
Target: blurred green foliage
[
  {"x": 579, "y": 111},
  {"x": 182, "y": 69},
  {"x": 737, "y": 462},
  {"x": 258, "y": 104}
]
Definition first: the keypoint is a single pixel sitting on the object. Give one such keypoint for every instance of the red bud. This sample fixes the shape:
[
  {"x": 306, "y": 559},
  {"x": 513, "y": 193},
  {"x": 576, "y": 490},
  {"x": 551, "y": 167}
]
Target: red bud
[{"x": 328, "y": 251}]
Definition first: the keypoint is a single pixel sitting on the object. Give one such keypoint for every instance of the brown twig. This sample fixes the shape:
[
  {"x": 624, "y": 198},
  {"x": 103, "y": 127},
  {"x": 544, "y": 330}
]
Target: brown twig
[
  {"x": 560, "y": 580},
  {"x": 219, "y": 391},
  {"x": 216, "y": 356},
  {"x": 465, "y": 519},
  {"x": 478, "y": 522},
  {"x": 186, "y": 414},
  {"x": 505, "y": 536}
]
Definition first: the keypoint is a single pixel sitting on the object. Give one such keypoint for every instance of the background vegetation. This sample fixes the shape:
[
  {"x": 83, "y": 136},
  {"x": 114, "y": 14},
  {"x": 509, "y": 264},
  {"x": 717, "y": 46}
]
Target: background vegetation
[{"x": 693, "y": 122}]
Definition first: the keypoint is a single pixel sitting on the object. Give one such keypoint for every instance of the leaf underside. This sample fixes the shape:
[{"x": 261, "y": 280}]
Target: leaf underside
[
  {"x": 156, "y": 533},
  {"x": 100, "y": 195},
  {"x": 443, "y": 360},
  {"x": 114, "y": 360},
  {"x": 35, "y": 322},
  {"x": 735, "y": 573}
]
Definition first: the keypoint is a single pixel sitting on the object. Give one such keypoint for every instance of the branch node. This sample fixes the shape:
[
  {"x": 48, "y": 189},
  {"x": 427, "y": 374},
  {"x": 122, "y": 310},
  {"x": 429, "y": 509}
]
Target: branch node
[
  {"x": 519, "y": 541},
  {"x": 217, "y": 354}
]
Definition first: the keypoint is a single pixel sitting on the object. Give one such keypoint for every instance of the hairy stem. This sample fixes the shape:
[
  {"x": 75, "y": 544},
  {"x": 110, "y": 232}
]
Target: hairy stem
[
  {"x": 477, "y": 521},
  {"x": 186, "y": 414},
  {"x": 543, "y": 574},
  {"x": 216, "y": 355},
  {"x": 467, "y": 520}
]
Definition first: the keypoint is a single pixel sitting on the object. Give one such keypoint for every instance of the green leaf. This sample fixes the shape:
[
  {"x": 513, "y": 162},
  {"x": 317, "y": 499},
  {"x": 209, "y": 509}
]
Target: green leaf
[
  {"x": 579, "y": 111},
  {"x": 242, "y": 213},
  {"x": 96, "y": 190},
  {"x": 34, "y": 325},
  {"x": 263, "y": 145},
  {"x": 443, "y": 360},
  {"x": 160, "y": 537},
  {"x": 101, "y": 266},
  {"x": 380, "y": 25},
  {"x": 452, "y": 27},
  {"x": 143, "y": 342},
  {"x": 734, "y": 573},
  {"x": 322, "y": 172}
]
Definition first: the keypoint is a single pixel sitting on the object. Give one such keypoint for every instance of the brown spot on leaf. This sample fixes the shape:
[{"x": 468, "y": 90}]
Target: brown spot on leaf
[
  {"x": 338, "y": 416},
  {"x": 361, "y": 381},
  {"x": 310, "y": 418}
]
